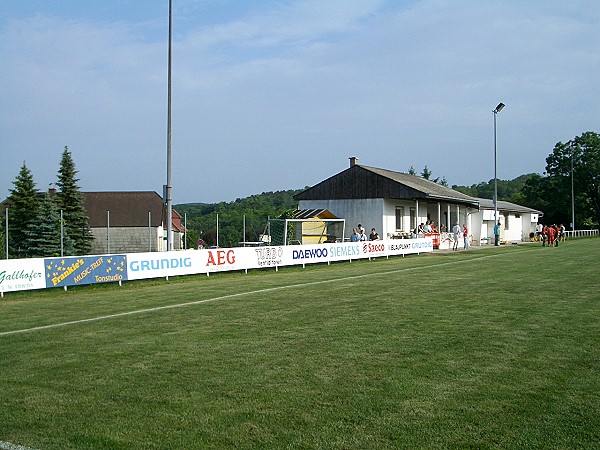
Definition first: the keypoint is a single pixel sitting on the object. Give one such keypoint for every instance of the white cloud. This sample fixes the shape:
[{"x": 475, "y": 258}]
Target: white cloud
[{"x": 299, "y": 87}]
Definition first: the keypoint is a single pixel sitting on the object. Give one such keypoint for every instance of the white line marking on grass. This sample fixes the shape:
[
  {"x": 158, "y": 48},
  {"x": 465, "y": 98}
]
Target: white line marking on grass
[
  {"x": 9, "y": 446},
  {"x": 239, "y": 294}
]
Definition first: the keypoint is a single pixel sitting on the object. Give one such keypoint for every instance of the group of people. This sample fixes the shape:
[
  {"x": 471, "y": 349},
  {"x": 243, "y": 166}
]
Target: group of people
[
  {"x": 550, "y": 235},
  {"x": 460, "y": 233},
  {"x": 427, "y": 227},
  {"x": 359, "y": 234}
]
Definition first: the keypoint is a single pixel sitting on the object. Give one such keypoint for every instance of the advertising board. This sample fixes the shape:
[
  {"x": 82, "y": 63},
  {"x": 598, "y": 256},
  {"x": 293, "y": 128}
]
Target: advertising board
[
  {"x": 79, "y": 270},
  {"x": 164, "y": 264},
  {"x": 38, "y": 273},
  {"x": 22, "y": 274},
  {"x": 409, "y": 246}
]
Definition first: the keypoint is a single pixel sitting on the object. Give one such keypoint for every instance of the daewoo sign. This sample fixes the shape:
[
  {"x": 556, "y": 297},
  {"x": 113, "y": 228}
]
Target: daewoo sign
[{"x": 310, "y": 253}]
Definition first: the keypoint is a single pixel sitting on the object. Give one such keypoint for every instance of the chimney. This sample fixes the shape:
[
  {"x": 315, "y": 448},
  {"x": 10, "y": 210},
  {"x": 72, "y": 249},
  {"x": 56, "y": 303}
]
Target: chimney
[
  {"x": 353, "y": 161},
  {"x": 52, "y": 191}
]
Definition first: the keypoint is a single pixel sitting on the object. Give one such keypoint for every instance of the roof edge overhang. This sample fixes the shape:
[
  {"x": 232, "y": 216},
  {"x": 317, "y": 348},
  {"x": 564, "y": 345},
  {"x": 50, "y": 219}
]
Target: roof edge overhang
[{"x": 474, "y": 203}]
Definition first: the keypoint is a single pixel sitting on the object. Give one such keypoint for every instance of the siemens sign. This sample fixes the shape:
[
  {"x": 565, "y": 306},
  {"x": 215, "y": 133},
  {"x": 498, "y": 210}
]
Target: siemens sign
[{"x": 344, "y": 251}]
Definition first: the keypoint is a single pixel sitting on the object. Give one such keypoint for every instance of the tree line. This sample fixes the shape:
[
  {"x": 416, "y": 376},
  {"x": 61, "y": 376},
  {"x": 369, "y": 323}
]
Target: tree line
[
  {"x": 48, "y": 223},
  {"x": 572, "y": 169},
  {"x": 576, "y": 161},
  {"x": 254, "y": 211},
  {"x": 571, "y": 176}
]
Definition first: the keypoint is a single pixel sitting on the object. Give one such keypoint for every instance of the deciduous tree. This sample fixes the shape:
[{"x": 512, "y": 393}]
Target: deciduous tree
[{"x": 579, "y": 158}]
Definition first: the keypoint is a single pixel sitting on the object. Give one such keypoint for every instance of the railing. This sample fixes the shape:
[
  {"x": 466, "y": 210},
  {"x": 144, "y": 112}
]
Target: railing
[{"x": 581, "y": 233}]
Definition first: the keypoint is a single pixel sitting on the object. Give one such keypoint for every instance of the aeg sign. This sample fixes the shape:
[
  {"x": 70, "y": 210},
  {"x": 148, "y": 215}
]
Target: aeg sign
[{"x": 220, "y": 257}]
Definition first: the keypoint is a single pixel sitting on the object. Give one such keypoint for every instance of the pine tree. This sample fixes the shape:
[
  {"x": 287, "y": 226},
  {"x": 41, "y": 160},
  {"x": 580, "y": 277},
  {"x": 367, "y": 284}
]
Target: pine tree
[
  {"x": 3, "y": 235},
  {"x": 70, "y": 200},
  {"x": 23, "y": 204},
  {"x": 44, "y": 233},
  {"x": 426, "y": 173}
]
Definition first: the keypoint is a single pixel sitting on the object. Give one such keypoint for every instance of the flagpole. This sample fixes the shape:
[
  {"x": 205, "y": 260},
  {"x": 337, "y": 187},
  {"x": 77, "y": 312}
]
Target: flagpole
[{"x": 169, "y": 198}]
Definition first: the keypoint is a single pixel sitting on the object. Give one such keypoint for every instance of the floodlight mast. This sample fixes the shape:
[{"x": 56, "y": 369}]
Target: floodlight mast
[
  {"x": 495, "y": 112},
  {"x": 169, "y": 199}
]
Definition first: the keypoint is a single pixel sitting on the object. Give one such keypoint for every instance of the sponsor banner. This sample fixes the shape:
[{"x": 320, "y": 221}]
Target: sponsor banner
[
  {"x": 78, "y": 270},
  {"x": 164, "y": 264},
  {"x": 345, "y": 251},
  {"x": 25, "y": 274},
  {"x": 305, "y": 254},
  {"x": 225, "y": 259},
  {"x": 408, "y": 246},
  {"x": 319, "y": 253},
  {"x": 22, "y": 274},
  {"x": 268, "y": 256},
  {"x": 373, "y": 249}
]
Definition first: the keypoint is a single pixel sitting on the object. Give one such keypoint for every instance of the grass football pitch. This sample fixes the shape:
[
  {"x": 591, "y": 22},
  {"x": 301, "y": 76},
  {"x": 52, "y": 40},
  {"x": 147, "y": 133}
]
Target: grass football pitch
[{"x": 497, "y": 347}]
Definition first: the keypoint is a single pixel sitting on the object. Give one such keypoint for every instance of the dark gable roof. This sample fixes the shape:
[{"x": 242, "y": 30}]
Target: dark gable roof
[
  {"x": 361, "y": 182},
  {"x": 127, "y": 209}
]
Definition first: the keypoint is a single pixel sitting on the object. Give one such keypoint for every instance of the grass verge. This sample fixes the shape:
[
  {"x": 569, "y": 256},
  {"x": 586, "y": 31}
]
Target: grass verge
[{"x": 494, "y": 348}]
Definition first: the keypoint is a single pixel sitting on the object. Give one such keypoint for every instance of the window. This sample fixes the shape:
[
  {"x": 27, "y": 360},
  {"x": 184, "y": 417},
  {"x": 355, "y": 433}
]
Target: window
[
  {"x": 399, "y": 218},
  {"x": 506, "y": 221},
  {"x": 413, "y": 218}
]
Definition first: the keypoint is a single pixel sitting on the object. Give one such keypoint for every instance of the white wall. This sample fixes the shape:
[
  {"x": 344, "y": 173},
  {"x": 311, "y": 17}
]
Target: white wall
[
  {"x": 381, "y": 214},
  {"x": 518, "y": 227},
  {"x": 513, "y": 228}
]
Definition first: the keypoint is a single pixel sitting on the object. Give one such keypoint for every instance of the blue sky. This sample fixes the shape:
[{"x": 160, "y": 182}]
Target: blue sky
[{"x": 275, "y": 95}]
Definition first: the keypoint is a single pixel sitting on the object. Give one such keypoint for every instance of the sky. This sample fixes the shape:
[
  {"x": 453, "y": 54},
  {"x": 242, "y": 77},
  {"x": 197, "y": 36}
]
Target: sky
[{"x": 271, "y": 95}]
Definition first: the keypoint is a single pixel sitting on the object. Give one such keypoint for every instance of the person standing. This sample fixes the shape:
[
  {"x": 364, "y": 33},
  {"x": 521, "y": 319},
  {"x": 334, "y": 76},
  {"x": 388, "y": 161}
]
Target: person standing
[
  {"x": 561, "y": 234},
  {"x": 374, "y": 236},
  {"x": 457, "y": 232},
  {"x": 497, "y": 234},
  {"x": 544, "y": 235},
  {"x": 362, "y": 236},
  {"x": 551, "y": 235},
  {"x": 466, "y": 236},
  {"x": 539, "y": 229},
  {"x": 354, "y": 237}
]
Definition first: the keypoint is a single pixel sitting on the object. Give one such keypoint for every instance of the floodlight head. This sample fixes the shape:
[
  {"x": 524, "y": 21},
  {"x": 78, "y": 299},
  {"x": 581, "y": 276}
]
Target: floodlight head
[{"x": 499, "y": 108}]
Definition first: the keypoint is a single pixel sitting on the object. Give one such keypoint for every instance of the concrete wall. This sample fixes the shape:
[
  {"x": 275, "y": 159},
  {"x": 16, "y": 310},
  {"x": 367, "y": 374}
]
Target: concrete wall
[{"x": 127, "y": 240}]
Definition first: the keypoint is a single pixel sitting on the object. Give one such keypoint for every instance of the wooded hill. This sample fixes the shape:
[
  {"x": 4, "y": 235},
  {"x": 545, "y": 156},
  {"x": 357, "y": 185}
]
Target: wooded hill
[{"x": 257, "y": 209}]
